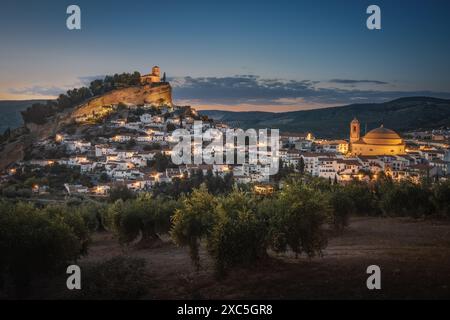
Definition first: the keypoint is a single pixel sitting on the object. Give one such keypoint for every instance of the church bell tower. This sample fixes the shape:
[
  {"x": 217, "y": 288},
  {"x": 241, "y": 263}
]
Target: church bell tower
[{"x": 355, "y": 130}]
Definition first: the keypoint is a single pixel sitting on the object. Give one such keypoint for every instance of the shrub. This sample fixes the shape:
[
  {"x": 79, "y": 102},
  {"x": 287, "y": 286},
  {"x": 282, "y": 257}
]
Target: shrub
[
  {"x": 406, "y": 199},
  {"x": 117, "y": 278},
  {"x": 120, "y": 192},
  {"x": 34, "y": 243},
  {"x": 363, "y": 198},
  {"x": 441, "y": 198}
]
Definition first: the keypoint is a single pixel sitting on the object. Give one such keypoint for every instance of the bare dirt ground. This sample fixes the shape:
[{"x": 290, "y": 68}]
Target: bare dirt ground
[{"x": 414, "y": 257}]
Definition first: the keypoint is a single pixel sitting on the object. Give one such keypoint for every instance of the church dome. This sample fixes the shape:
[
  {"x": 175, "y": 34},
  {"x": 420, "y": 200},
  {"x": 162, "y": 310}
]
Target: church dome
[{"x": 382, "y": 136}]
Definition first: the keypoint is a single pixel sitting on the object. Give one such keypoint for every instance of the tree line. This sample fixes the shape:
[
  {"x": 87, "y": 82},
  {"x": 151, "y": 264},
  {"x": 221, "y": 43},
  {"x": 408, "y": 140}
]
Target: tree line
[{"x": 39, "y": 113}]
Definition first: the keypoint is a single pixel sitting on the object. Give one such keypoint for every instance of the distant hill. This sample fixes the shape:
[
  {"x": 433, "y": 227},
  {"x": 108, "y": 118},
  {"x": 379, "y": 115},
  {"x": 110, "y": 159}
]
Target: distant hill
[
  {"x": 10, "y": 112},
  {"x": 401, "y": 115}
]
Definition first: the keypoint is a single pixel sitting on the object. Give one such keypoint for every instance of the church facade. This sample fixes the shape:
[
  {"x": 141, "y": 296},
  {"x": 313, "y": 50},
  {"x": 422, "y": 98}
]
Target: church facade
[{"x": 377, "y": 142}]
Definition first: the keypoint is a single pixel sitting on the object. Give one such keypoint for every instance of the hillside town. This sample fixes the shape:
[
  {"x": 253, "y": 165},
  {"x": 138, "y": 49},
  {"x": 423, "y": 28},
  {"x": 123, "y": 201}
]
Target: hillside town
[{"x": 131, "y": 146}]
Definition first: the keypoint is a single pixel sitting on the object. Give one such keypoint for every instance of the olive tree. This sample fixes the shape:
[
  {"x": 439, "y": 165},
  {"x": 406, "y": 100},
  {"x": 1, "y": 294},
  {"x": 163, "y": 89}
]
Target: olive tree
[
  {"x": 239, "y": 236},
  {"x": 194, "y": 221},
  {"x": 143, "y": 219},
  {"x": 342, "y": 207},
  {"x": 297, "y": 220}
]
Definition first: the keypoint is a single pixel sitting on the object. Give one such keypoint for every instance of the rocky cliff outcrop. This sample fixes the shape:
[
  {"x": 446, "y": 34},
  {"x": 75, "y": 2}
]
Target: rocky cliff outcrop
[{"x": 137, "y": 95}]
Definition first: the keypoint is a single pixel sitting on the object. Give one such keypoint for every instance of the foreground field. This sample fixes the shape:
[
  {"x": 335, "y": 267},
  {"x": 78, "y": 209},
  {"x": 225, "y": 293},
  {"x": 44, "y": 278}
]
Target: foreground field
[{"x": 414, "y": 257}]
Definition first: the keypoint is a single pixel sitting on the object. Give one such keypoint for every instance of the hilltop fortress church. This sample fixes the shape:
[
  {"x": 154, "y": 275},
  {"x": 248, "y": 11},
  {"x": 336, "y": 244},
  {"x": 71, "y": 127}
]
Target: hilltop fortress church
[
  {"x": 377, "y": 142},
  {"x": 154, "y": 77}
]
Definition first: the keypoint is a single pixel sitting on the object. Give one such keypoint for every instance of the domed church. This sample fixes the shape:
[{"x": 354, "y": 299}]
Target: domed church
[{"x": 377, "y": 142}]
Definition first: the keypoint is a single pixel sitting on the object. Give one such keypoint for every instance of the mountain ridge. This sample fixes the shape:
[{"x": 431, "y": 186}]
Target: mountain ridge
[{"x": 403, "y": 114}]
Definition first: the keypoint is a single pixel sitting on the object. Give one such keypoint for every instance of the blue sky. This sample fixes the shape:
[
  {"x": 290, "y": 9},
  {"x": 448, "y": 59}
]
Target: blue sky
[{"x": 259, "y": 55}]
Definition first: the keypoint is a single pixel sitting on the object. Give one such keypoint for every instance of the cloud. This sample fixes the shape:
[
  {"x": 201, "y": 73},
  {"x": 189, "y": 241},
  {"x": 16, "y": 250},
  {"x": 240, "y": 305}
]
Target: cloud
[
  {"x": 254, "y": 90},
  {"x": 350, "y": 81},
  {"x": 38, "y": 90},
  {"x": 241, "y": 88},
  {"x": 53, "y": 90}
]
